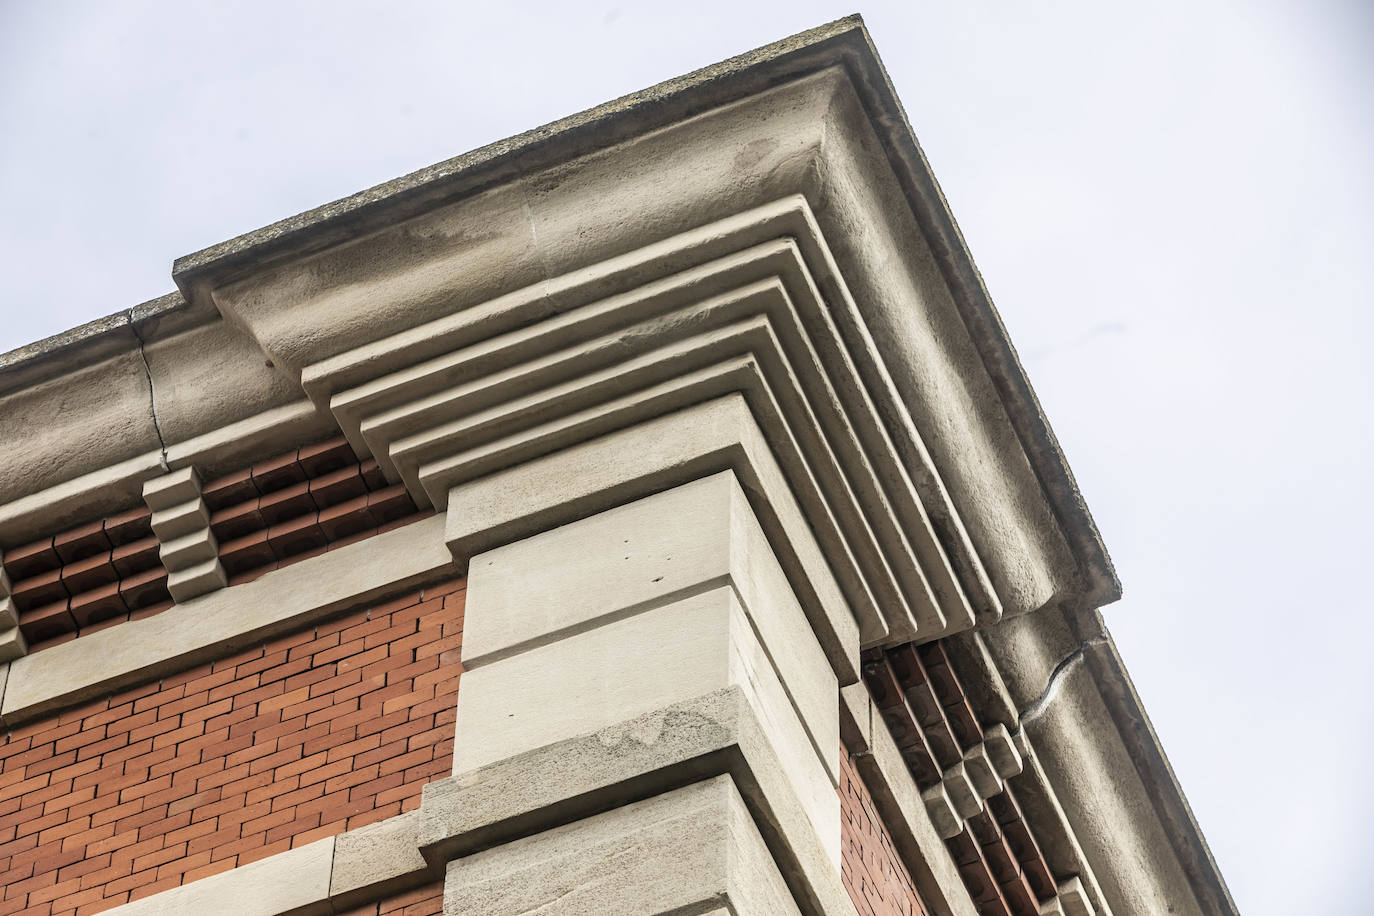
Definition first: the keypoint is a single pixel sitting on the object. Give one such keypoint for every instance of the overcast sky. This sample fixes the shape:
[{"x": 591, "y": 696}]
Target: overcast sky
[{"x": 1171, "y": 203}]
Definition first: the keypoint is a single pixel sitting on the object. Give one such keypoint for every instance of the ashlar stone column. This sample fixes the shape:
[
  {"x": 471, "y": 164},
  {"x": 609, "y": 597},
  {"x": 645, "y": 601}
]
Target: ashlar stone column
[{"x": 648, "y": 714}]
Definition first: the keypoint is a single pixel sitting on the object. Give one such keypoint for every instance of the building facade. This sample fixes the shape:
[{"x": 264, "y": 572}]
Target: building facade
[{"x": 646, "y": 514}]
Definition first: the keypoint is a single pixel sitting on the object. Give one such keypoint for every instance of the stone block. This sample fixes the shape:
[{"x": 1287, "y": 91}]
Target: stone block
[
  {"x": 1002, "y": 750},
  {"x": 633, "y": 666},
  {"x": 942, "y": 812},
  {"x": 681, "y": 851},
  {"x": 981, "y": 770},
  {"x": 693, "y": 537},
  {"x": 603, "y": 473},
  {"x": 631, "y": 760},
  {"x": 12, "y": 644},
  {"x": 377, "y": 858}
]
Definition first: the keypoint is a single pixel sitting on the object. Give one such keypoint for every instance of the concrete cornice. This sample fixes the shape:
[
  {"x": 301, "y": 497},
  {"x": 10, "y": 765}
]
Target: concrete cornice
[
  {"x": 758, "y": 248},
  {"x": 605, "y": 125},
  {"x": 845, "y": 44}
]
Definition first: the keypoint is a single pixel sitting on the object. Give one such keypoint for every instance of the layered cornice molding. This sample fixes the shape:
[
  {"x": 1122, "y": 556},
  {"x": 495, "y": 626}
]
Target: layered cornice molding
[
  {"x": 748, "y": 270},
  {"x": 812, "y": 117}
]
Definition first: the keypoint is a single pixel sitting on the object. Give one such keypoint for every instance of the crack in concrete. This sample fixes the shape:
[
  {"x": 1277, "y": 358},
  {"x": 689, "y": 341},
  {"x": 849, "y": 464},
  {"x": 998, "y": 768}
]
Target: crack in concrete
[
  {"x": 1036, "y": 708},
  {"x": 152, "y": 398}
]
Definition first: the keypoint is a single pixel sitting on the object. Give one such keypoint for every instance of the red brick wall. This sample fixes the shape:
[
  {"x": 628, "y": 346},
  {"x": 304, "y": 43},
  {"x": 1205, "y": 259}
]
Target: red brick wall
[
  {"x": 873, "y": 873},
  {"x": 292, "y": 740},
  {"x": 423, "y": 901}
]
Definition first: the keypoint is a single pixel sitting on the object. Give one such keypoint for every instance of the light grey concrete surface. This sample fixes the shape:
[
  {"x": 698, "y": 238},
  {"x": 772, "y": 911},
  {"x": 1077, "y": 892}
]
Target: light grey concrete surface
[
  {"x": 685, "y": 540},
  {"x": 84, "y": 421},
  {"x": 637, "y": 758},
  {"x": 673, "y": 457},
  {"x": 395, "y": 415},
  {"x": 375, "y": 377},
  {"x": 725, "y": 329},
  {"x": 811, "y": 118},
  {"x": 187, "y": 546},
  {"x": 569, "y": 205},
  {"x": 1112, "y": 815},
  {"x": 119, "y": 486},
  {"x": 706, "y": 425},
  {"x": 171, "y": 491},
  {"x": 12, "y": 643},
  {"x": 238, "y": 444},
  {"x": 625, "y": 178},
  {"x": 606, "y": 472},
  {"x": 290, "y": 883},
  {"x": 212, "y": 376},
  {"x": 677, "y": 852},
  {"x": 747, "y": 322},
  {"x": 377, "y": 859},
  {"x": 1011, "y": 747},
  {"x": 223, "y": 621}
]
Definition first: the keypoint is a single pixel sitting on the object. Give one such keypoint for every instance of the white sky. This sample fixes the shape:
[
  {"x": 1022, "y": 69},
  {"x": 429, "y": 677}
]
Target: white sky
[{"x": 1172, "y": 204}]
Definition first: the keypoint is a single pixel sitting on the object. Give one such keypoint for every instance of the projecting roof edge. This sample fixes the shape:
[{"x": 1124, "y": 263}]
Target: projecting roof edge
[
  {"x": 567, "y": 138},
  {"x": 84, "y": 344},
  {"x": 844, "y": 41}
]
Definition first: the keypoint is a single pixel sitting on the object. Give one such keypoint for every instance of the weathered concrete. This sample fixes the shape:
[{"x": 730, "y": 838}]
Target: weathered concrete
[
  {"x": 81, "y": 422},
  {"x": 1110, "y": 810},
  {"x": 187, "y": 547},
  {"x": 937, "y": 455},
  {"x": 635, "y": 449},
  {"x": 603, "y": 473},
  {"x": 12, "y": 644},
  {"x": 676, "y": 852},
  {"x": 480, "y": 390},
  {"x": 697, "y": 536},
  {"x": 630, "y": 760},
  {"x": 211, "y": 376},
  {"x": 377, "y": 859},
  {"x": 119, "y": 486},
  {"x": 628, "y": 667},
  {"x": 778, "y": 240}
]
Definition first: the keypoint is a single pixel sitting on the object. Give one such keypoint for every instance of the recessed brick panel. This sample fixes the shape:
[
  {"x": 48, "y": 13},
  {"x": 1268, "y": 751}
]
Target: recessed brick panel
[
  {"x": 87, "y": 578},
  {"x": 924, "y": 705},
  {"x": 874, "y": 874},
  {"x": 293, "y": 739}
]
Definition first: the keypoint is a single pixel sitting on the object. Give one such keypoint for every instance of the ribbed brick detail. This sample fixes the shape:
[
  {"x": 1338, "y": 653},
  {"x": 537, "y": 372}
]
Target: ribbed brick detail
[
  {"x": 87, "y": 578},
  {"x": 422, "y": 901},
  {"x": 874, "y": 874},
  {"x": 926, "y": 709},
  {"x": 291, "y": 740},
  {"x": 276, "y": 512},
  {"x": 299, "y": 504}
]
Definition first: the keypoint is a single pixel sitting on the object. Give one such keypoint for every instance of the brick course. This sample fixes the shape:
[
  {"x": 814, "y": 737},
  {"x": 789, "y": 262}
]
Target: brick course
[
  {"x": 874, "y": 874},
  {"x": 288, "y": 741},
  {"x": 924, "y": 705},
  {"x": 423, "y": 901}
]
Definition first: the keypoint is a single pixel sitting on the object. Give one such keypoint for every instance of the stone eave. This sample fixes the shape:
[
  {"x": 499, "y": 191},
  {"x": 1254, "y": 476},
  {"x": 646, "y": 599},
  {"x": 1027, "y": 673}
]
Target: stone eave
[
  {"x": 845, "y": 44},
  {"x": 845, "y": 41}
]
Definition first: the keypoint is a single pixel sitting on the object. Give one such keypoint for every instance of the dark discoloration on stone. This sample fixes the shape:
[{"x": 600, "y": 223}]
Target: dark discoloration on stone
[{"x": 84, "y": 344}]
